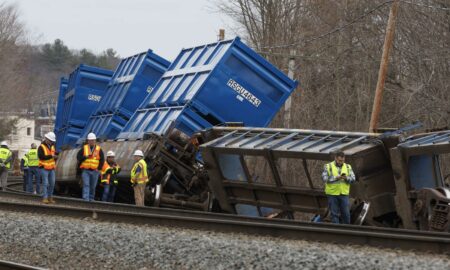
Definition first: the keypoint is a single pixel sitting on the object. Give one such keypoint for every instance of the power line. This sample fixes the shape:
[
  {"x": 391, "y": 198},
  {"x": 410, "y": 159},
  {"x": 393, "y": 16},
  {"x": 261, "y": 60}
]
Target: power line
[{"x": 330, "y": 32}]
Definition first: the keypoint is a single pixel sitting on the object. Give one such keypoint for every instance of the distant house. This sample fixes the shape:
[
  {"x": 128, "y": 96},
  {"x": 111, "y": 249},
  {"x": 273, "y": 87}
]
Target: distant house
[{"x": 23, "y": 135}]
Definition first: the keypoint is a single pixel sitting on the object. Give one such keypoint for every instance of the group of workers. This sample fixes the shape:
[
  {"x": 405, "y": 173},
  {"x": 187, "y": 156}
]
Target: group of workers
[{"x": 40, "y": 163}]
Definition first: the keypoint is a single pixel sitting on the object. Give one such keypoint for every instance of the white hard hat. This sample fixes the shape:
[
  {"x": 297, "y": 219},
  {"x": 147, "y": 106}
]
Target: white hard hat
[
  {"x": 4, "y": 143},
  {"x": 91, "y": 136},
  {"x": 110, "y": 154},
  {"x": 138, "y": 153},
  {"x": 51, "y": 136}
]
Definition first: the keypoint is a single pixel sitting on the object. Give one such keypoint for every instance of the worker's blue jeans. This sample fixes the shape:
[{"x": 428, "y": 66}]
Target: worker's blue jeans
[
  {"x": 90, "y": 179},
  {"x": 48, "y": 182},
  {"x": 109, "y": 192},
  {"x": 339, "y": 206},
  {"x": 25, "y": 179},
  {"x": 33, "y": 171}
]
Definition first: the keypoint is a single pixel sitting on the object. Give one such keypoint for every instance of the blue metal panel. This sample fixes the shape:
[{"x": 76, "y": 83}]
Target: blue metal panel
[
  {"x": 422, "y": 171},
  {"x": 220, "y": 82},
  {"x": 67, "y": 137},
  {"x": 63, "y": 84},
  {"x": 86, "y": 88},
  {"x": 133, "y": 79}
]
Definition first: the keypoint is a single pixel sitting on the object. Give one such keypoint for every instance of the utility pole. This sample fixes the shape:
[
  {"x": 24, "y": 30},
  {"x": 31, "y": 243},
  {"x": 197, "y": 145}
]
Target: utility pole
[
  {"x": 390, "y": 29},
  {"x": 221, "y": 35},
  {"x": 288, "y": 104}
]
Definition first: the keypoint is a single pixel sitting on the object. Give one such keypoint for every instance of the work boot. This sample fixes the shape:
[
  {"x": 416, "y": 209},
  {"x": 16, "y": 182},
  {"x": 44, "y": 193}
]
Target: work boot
[
  {"x": 51, "y": 200},
  {"x": 46, "y": 201}
]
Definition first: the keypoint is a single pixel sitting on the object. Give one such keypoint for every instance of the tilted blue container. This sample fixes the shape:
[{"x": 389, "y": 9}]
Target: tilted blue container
[
  {"x": 211, "y": 84},
  {"x": 60, "y": 105},
  {"x": 133, "y": 79},
  {"x": 85, "y": 89}
]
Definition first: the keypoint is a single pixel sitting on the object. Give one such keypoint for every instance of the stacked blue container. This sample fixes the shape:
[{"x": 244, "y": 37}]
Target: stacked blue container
[
  {"x": 85, "y": 89},
  {"x": 209, "y": 85},
  {"x": 133, "y": 79}
]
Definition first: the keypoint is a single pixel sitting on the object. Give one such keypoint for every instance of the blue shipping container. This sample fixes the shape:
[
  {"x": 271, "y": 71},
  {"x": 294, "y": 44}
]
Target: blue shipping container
[
  {"x": 215, "y": 83},
  {"x": 133, "y": 79},
  {"x": 59, "y": 107},
  {"x": 86, "y": 86}
]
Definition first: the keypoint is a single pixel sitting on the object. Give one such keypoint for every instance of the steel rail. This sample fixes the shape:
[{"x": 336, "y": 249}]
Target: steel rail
[
  {"x": 8, "y": 265},
  {"x": 324, "y": 232},
  {"x": 128, "y": 208}
]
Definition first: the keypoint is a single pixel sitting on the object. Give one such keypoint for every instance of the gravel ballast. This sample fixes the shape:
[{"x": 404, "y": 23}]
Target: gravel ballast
[{"x": 70, "y": 243}]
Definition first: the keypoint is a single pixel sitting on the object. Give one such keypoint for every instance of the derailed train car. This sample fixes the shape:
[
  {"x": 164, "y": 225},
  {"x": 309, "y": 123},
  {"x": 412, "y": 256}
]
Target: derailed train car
[{"x": 399, "y": 180}]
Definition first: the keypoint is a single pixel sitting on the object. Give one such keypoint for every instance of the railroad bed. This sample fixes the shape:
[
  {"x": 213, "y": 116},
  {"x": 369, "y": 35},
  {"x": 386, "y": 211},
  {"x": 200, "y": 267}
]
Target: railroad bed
[
  {"x": 347, "y": 234},
  {"x": 68, "y": 243}
]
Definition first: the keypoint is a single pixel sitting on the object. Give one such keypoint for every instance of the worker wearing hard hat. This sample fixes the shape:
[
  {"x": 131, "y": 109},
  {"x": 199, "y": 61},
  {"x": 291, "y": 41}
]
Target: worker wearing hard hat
[
  {"x": 6, "y": 158},
  {"x": 33, "y": 170},
  {"x": 47, "y": 164},
  {"x": 91, "y": 161},
  {"x": 337, "y": 176},
  {"x": 24, "y": 170},
  {"x": 109, "y": 177},
  {"x": 139, "y": 177}
]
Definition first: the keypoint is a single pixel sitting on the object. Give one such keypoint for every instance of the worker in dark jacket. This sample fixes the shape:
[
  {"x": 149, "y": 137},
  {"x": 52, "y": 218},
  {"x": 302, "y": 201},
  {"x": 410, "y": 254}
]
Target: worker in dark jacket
[
  {"x": 24, "y": 170},
  {"x": 91, "y": 161},
  {"x": 6, "y": 158},
  {"x": 109, "y": 177},
  {"x": 338, "y": 176},
  {"x": 47, "y": 164}
]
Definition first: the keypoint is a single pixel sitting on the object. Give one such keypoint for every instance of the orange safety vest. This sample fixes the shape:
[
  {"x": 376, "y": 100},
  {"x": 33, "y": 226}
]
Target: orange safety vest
[
  {"x": 48, "y": 164},
  {"x": 106, "y": 178},
  {"x": 92, "y": 159}
]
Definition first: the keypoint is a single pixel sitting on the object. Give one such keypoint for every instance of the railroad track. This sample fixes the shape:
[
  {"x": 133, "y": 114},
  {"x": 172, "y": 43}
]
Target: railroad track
[{"x": 435, "y": 242}]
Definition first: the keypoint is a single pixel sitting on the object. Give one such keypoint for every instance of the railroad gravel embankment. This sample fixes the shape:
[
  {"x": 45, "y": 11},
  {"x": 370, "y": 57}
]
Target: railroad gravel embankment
[{"x": 69, "y": 243}]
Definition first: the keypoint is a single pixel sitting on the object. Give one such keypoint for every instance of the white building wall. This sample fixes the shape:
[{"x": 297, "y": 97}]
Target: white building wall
[{"x": 22, "y": 137}]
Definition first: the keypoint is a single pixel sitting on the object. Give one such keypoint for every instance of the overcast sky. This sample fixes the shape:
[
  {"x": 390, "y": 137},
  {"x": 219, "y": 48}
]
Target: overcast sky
[{"x": 128, "y": 26}]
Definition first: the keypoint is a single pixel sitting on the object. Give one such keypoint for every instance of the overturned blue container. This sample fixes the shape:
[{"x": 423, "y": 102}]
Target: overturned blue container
[
  {"x": 211, "y": 84},
  {"x": 132, "y": 81},
  {"x": 86, "y": 87}
]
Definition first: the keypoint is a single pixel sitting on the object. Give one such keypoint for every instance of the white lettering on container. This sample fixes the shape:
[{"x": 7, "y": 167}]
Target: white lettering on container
[
  {"x": 244, "y": 93},
  {"x": 94, "y": 97}
]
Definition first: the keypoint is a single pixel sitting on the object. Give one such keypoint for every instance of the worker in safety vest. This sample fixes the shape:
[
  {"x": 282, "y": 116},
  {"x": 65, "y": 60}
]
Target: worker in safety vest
[
  {"x": 109, "y": 177},
  {"x": 91, "y": 161},
  {"x": 139, "y": 177},
  {"x": 338, "y": 176},
  {"x": 24, "y": 170},
  {"x": 6, "y": 158},
  {"x": 47, "y": 164},
  {"x": 33, "y": 170}
]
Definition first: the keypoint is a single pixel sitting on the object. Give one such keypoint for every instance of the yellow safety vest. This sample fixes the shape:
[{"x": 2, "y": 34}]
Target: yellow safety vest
[
  {"x": 48, "y": 164},
  {"x": 142, "y": 177},
  {"x": 5, "y": 153},
  {"x": 92, "y": 159},
  {"x": 337, "y": 187},
  {"x": 32, "y": 156},
  {"x": 25, "y": 161}
]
